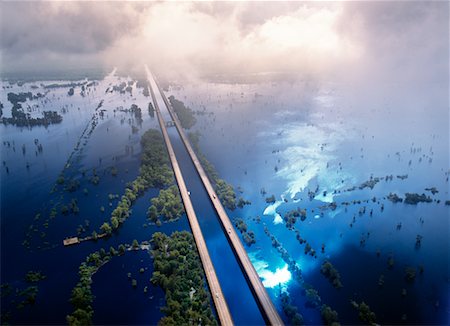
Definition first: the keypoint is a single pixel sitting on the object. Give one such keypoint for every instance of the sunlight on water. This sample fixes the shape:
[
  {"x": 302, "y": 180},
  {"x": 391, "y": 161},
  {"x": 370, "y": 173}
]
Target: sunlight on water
[
  {"x": 272, "y": 210},
  {"x": 271, "y": 279},
  {"x": 309, "y": 150},
  {"x": 280, "y": 277}
]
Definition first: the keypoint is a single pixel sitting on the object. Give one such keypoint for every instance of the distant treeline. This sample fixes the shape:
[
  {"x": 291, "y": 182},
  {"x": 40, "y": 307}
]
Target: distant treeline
[
  {"x": 185, "y": 114},
  {"x": 21, "y": 119}
]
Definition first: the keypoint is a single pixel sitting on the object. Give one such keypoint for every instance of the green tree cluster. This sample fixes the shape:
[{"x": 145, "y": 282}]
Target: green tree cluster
[
  {"x": 178, "y": 271},
  {"x": 247, "y": 236},
  {"x": 48, "y": 117},
  {"x": 242, "y": 202},
  {"x": 313, "y": 299},
  {"x": 364, "y": 312},
  {"x": 226, "y": 194},
  {"x": 21, "y": 119},
  {"x": 185, "y": 114},
  {"x": 155, "y": 171},
  {"x": 291, "y": 311},
  {"x": 82, "y": 298},
  {"x": 414, "y": 199},
  {"x": 329, "y": 316},
  {"x": 291, "y": 217},
  {"x": 72, "y": 185},
  {"x": 168, "y": 205},
  {"x": 28, "y": 294},
  {"x": 33, "y": 277},
  {"x": 331, "y": 273}
]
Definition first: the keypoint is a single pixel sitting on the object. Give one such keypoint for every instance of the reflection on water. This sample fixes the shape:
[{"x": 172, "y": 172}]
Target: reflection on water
[
  {"x": 312, "y": 153},
  {"x": 318, "y": 148}
]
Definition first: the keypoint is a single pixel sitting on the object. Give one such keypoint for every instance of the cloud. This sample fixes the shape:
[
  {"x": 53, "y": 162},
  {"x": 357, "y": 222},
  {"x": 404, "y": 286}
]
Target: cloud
[
  {"x": 198, "y": 38},
  {"x": 74, "y": 27},
  {"x": 57, "y": 33},
  {"x": 238, "y": 39},
  {"x": 400, "y": 41}
]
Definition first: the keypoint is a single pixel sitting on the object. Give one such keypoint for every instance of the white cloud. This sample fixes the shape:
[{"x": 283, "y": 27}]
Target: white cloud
[{"x": 208, "y": 38}]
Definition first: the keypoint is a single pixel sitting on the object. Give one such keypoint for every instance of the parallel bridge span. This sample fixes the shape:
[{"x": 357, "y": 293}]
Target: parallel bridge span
[
  {"x": 266, "y": 306},
  {"x": 211, "y": 277}
]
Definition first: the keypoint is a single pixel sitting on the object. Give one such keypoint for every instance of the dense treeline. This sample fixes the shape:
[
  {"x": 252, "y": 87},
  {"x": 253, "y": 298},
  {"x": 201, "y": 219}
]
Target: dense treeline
[
  {"x": 364, "y": 313},
  {"x": 226, "y": 193},
  {"x": 329, "y": 316},
  {"x": 178, "y": 271},
  {"x": 122, "y": 88},
  {"x": 23, "y": 97},
  {"x": 168, "y": 205},
  {"x": 20, "y": 97},
  {"x": 291, "y": 217},
  {"x": 413, "y": 198},
  {"x": 224, "y": 190},
  {"x": 248, "y": 236},
  {"x": 22, "y": 119},
  {"x": 185, "y": 114},
  {"x": 154, "y": 172},
  {"x": 331, "y": 273},
  {"x": 291, "y": 311},
  {"x": 82, "y": 298}
]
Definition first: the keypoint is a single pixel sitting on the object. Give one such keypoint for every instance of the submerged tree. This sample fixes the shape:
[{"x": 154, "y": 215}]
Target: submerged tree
[
  {"x": 331, "y": 273},
  {"x": 329, "y": 316},
  {"x": 364, "y": 312}
]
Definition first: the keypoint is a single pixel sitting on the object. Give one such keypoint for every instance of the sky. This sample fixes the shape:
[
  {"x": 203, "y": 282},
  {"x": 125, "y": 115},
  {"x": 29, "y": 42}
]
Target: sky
[{"x": 393, "y": 40}]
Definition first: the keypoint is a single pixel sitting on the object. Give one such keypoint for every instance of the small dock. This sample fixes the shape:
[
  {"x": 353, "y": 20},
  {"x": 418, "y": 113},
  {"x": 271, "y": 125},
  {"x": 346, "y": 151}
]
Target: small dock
[
  {"x": 76, "y": 240},
  {"x": 71, "y": 241}
]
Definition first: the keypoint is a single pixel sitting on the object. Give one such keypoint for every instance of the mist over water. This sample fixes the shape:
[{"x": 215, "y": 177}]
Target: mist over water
[
  {"x": 306, "y": 101},
  {"x": 321, "y": 140}
]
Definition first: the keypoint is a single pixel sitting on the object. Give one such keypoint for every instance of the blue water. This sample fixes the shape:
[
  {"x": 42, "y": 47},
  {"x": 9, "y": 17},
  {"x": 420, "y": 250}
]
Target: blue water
[
  {"x": 111, "y": 308},
  {"x": 314, "y": 135},
  {"x": 229, "y": 273},
  {"x": 316, "y": 138},
  {"x": 25, "y": 192},
  {"x": 232, "y": 281}
]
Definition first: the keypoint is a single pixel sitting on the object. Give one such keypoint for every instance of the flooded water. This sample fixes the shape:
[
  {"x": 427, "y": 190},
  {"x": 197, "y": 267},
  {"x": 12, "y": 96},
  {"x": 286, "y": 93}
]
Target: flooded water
[{"x": 281, "y": 139}]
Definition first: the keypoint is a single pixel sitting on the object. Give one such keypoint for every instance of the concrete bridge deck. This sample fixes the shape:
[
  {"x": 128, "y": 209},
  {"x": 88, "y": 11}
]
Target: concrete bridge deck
[
  {"x": 211, "y": 277},
  {"x": 265, "y": 304}
]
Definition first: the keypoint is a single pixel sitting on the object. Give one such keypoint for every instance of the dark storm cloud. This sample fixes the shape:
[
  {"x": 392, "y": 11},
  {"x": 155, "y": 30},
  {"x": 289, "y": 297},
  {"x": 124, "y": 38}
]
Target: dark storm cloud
[
  {"x": 76, "y": 27},
  {"x": 39, "y": 36}
]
